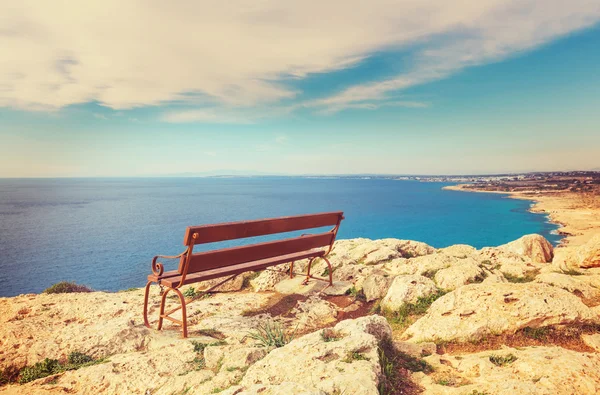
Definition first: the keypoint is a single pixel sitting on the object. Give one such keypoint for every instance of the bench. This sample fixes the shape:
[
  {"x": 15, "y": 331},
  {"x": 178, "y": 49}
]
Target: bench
[{"x": 229, "y": 262}]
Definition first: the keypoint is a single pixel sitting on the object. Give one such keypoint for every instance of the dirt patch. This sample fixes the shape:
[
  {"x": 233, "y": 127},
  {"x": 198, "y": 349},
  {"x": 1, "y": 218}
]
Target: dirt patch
[
  {"x": 278, "y": 305},
  {"x": 349, "y": 307},
  {"x": 565, "y": 337}
]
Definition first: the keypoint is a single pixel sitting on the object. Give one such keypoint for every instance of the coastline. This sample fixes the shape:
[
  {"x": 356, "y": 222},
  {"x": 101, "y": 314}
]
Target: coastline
[{"x": 576, "y": 214}]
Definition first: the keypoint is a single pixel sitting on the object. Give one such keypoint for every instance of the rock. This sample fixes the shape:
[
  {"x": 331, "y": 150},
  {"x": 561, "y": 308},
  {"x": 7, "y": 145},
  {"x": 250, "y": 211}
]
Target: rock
[
  {"x": 476, "y": 310},
  {"x": 213, "y": 355},
  {"x": 314, "y": 313},
  {"x": 286, "y": 387},
  {"x": 534, "y": 247},
  {"x": 310, "y": 357},
  {"x": 592, "y": 341},
  {"x": 588, "y": 255},
  {"x": 376, "y": 286},
  {"x": 267, "y": 279},
  {"x": 408, "y": 248},
  {"x": 459, "y": 250},
  {"x": 426, "y": 265},
  {"x": 459, "y": 275},
  {"x": 233, "y": 285},
  {"x": 407, "y": 289},
  {"x": 240, "y": 358},
  {"x": 338, "y": 288},
  {"x": 536, "y": 370},
  {"x": 584, "y": 286},
  {"x": 416, "y": 350},
  {"x": 355, "y": 274}
]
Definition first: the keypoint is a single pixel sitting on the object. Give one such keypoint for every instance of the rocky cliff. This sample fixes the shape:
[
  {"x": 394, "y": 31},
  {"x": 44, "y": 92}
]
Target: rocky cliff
[{"x": 402, "y": 317}]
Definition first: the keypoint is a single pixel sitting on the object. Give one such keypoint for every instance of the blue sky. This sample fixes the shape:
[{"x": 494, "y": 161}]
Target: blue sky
[{"x": 402, "y": 87}]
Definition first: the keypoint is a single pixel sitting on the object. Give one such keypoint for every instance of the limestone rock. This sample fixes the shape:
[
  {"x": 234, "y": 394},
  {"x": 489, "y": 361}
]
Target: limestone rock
[
  {"x": 588, "y": 255},
  {"x": 475, "y": 310},
  {"x": 536, "y": 370},
  {"x": 407, "y": 289},
  {"x": 416, "y": 350},
  {"x": 592, "y": 341},
  {"x": 314, "y": 313},
  {"x": 240, "y": 358},
  {"x": 459, "y": 250},
  {"x": 459, "y": 275},
  {"x": 579, "y": 285},
  {"x": 533, "y": 246},
  {"x": 376, "y": 286},
  {"x": 267, "y": 279},
  {"x": 310, "y": 357}
]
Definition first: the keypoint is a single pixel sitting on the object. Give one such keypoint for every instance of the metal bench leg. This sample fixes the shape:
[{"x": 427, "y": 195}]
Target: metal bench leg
[
  {"x": 292, "y": 269},
  {"x": 308, "y": 271},
  {"x": 166, "y": 315},
  {"x": 147, "y": 294},
  {"x": 330, "y": 271}
]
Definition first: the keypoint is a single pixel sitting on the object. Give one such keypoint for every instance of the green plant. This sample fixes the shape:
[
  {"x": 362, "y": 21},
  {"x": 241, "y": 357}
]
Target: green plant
[
  {"x": 401, "y": 315},
  {"x": 536, "y": 333},
  {"x": 354, "y": 356},
  {"x": 477, "y": 392},
  {"x": 48, "y": 366},
  {"x": 486, "y": 262},
  {"x": 246, "y": 283},
  {"x": 331, "y": 335},
  {"x": 393, "y": 365},
  {"x": 572, "y": 272},
  {"x": 356, "y": 293},
  {"x": 45, "y": 368},
  {"x": 527, "y": 278},
  {"x": 500, "y": 360},
  {"x": 190, "y": 292},
  {"x": 65, "y": 287},
  {"x": 270, "y": 335}
]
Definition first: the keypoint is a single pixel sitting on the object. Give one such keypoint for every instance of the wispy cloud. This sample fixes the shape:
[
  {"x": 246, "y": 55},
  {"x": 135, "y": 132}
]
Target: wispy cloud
[{"x": 241, "y": 57}]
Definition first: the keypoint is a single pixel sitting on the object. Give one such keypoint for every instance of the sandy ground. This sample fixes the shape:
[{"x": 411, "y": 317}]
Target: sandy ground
[{"x": 578, "y": 214}]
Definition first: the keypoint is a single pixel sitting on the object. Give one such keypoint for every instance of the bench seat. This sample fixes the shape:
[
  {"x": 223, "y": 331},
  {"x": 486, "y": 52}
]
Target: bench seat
[
  {"x": 173, "y": 279},
  {"x": 225, "y": 263}
]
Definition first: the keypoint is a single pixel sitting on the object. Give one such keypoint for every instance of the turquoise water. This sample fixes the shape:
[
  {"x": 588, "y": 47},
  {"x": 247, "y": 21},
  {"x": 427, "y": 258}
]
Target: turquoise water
[{"x": 104, "y": 232}]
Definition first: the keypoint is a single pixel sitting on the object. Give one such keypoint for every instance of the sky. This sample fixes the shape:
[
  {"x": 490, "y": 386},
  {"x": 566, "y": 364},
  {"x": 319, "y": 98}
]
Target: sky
[{"x": 152, "y": 88}]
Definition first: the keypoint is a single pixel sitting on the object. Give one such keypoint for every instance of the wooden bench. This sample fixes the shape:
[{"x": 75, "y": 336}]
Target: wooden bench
[{"x": 229, "y": 262}]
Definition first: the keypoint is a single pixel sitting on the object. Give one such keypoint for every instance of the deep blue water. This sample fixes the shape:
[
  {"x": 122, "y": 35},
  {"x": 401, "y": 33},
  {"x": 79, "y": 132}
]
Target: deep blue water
[{"x": 104, "y": 232}]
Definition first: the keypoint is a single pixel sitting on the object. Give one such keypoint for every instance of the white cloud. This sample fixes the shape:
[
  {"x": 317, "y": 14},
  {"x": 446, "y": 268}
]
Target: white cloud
[{"x": 236, "y": 54}]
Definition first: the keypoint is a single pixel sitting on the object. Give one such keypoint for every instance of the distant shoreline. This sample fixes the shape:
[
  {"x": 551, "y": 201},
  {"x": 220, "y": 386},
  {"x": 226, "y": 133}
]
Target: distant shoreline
[{"x": 563, "y": 208}]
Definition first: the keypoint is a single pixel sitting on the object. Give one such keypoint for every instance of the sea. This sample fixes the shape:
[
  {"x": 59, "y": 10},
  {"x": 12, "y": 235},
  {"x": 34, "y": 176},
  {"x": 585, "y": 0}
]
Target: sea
[{"x": 103, "y": 232}]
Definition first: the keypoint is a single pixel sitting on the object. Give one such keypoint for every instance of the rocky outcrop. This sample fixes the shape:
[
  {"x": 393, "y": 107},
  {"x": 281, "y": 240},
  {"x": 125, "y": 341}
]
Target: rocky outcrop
[
  {"x": 456, "y": 276},
  {"x": 407, "y": 289},
  {"x": 473, "y": 311},
  {"x": 222, "y": 356},
  {"x": 347, "y": 365},
  {"x": 533, "y": 246},
  {"x": 587, "y": 255},
  {"x": 532, "y": 370}
]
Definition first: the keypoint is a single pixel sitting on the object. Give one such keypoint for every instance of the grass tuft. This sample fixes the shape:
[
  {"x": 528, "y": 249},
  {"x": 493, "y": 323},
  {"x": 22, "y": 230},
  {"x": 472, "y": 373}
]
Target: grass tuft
[
  {"x": 527, "y": 278},
  {"x": 401, "y": 316},
  {"x": 500, "y": 360},
  {"x": 271, "y": 335},
  {"x": 572, "y": 272},
  {"x": 48, "y": 366},
  {"x": 66, "y": 287}
]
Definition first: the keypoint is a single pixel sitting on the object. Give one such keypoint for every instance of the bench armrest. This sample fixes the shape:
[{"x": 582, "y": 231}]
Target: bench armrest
[{"x": 158, "y": 268}]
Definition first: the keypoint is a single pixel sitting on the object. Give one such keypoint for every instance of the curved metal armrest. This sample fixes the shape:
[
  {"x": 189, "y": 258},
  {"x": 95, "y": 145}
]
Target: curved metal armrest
[{"x": 158, "y": 268}]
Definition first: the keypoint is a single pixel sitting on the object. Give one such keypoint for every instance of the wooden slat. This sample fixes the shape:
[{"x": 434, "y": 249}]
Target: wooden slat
[
  {"x": 232, "y": 256},
  {"x": 261, "y": 227},
  {"x": 241, "y": 268}
]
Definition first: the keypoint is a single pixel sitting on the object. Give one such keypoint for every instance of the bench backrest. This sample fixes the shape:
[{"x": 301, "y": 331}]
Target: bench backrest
[{"x": 239, "y": 230}]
